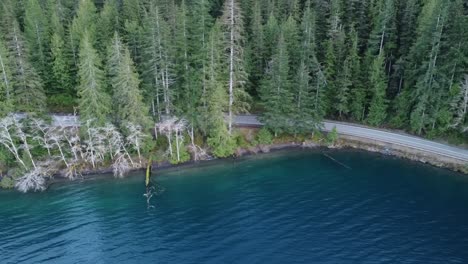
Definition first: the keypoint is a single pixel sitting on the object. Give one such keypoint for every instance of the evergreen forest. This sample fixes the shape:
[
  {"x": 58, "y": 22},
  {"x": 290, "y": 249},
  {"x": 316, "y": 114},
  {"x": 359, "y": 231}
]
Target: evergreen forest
[{"x": 190, "y": 66}]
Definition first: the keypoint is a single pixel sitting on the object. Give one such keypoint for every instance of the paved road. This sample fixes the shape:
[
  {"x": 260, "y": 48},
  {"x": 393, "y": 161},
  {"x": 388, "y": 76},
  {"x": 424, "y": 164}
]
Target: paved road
[
  {"x": 379, "y": 135},
  {"x": 344, "y": 129}
]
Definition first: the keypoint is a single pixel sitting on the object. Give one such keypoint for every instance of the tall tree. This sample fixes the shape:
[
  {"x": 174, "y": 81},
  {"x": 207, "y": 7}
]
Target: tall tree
[
  {"x": 60, "y": 67},
  {"x": 93, "y": 101},
  {"x": 276, "y": 93},
  {"x": 36, "y": 30},
  {"x": 378, "y": 105},
  {"x": 233, "y": 23},
  {"x": 84, "y": 22},
  {"x": 109, "y": 23},
  {"x": 308, "y": 108},
  {"x": 358, "y": 92},
  {"x": 126, "y": 94},
  {"x": 6, "y": 104},
  {"x": 158, "y": 64},
  {"x": 217, "y": 99},
  {"x": 27, "y": 87}
]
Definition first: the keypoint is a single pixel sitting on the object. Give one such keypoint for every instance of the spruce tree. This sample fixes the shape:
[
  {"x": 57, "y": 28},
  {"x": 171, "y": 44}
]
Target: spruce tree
[
  {"x": 84, "y": 21},
  {"x": 217, "y": 100},
  {"x": 126, "y": 94},
  {"x": 358, "y": 102},
  {"x": 233, "y": 26},
  {"x": 276, "y": 91},
  {"x": 60, "y": 67},
  {"x": 93, "y": 102},
  {"x": 343, "y": 85},
  {"x": 425, "y": 57},
  {"x": 307, "y": 87},
  {"x": 6, "y": 85},
  {"x": 36, "y": 30},
  {"x": 378, "y": 105},
  {"x": 157, "y": 64},
  {"x": 256, "y": 49},
  {"x": 28, "y": 92},
  {"x": 109, "y": 23}
]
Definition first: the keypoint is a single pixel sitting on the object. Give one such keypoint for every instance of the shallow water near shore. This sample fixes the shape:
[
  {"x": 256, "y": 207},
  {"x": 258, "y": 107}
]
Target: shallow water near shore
[{"x": 286, "y": 207}]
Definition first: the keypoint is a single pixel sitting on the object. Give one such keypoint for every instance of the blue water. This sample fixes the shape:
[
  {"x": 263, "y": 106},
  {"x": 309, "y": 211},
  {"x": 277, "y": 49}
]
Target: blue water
[{"x": 298, "y": 207}]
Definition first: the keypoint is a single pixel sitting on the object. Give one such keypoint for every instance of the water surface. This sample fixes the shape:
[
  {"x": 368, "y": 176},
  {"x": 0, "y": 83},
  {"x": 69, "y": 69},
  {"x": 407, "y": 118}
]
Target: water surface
[{"x": 298, "y": 207}]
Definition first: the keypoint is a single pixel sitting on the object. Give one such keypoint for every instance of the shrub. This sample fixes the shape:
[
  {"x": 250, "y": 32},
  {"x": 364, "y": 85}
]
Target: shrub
[
  {"x": 264, "y": 137},
  {"x": 332, "y": 136}
]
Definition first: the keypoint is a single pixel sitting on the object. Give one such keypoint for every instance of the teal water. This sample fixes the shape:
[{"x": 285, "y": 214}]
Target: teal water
[{"x": 297, "y": 207}]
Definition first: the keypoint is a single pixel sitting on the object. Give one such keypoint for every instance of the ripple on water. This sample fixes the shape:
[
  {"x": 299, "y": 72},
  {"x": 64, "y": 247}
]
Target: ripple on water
[{"x": 294, "y": 208}]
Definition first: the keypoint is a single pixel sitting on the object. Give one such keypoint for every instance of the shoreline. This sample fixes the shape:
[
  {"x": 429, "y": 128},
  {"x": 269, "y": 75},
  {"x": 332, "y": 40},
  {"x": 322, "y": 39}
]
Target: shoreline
[{"x": 344, "y": 143}]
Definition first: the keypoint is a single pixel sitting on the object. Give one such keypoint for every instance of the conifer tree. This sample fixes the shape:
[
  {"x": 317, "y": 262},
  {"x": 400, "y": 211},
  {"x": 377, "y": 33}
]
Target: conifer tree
[
  {"x": 109, "y": 23},
  {"x": 343, "y": 85},
  {"x": 233, "y": 24},
  {"x": 425, "y": 55},
  {"x": 276, "y": 92},
  {"x": 126, "y": 94},
  {"x": 84, "y": 21},
  {"x": 219, "y": 140},
  {"x": 308, "y": 109},
  {"x": 6, "y": 85},
  {"x": 36, "y": 30},
  {"x": 60, "y": 66},
  {"x": 200, "y": 22},
  {"x": 158, "y": 71},
  {"x": 358, "y": 102},
  {"x": 93, "y": 102},
  {"x": 378, "y": 105},
  {"x": 271, "y": 31},
  {"x": 28, "y": 92},
  {"x": 256, "y": 48}
]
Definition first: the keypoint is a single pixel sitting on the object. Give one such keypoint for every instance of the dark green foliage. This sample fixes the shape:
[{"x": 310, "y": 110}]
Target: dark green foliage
[
  {"x": 400, "y": 63},
  {"x": 264, "y": 137}
]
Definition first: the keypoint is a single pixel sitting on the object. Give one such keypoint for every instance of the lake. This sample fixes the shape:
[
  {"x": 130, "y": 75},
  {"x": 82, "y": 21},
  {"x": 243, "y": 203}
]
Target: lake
[{"x": 285, "y": 207}]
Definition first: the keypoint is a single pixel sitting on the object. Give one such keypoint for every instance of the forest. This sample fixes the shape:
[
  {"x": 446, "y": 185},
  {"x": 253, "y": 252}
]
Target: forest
[{"x": 189, "y": 66}]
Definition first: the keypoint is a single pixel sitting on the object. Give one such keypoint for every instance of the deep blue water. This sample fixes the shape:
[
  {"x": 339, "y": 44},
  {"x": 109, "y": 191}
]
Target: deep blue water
[{"x": 297, "y": 207}]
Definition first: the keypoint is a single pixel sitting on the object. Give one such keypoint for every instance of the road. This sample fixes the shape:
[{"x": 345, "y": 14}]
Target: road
[
  {"x": 378, "y": 135},
  {"x": 343, "y": 129}
]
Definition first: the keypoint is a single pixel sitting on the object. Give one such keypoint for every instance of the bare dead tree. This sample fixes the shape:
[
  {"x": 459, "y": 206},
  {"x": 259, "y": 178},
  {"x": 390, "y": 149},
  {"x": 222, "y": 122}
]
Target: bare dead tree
[
  {"x": 7, "y": 138},
  {"x": 42, "y": 133},
  {"x": 35, "y": 179},
  {"x": 135, "y": 138}
]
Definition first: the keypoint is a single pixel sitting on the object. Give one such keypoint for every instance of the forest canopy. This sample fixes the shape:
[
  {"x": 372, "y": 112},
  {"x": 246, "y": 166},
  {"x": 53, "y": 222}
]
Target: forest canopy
[{"x": 382, "y": 62}]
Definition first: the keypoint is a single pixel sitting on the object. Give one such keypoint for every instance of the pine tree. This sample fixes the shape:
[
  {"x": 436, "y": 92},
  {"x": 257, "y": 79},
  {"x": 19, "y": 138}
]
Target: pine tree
[
  {"x": 335, "y": 56},
  {"x": 93, "y": 102},
  {"x": 60, "y": 67},
  {"x": 291, "y": 36},
  {"x": 84, "y": 21},
  {"x": 158, "y": 68},
  {"x": 256, "y": 49},
  {"x": 200, "y": 22},
  {"x": 276, "y": 91},
  {"x": 37, "y": 38},
  {"x": 132, "y": 11},
  {"x": 358, "y": 103},
  {"x": 344, "y": 83},
  {"x": 308, "y": 110},
  {"x": 425, "y": 54},
  {"x": 271, "y": 31},
  {"x": 378, "y": 105},
  {"x": 6, "y": 104},
  {"x": 28, "y": 92},
  {"x": 109, "y": 23},
  {"x": 233, "y": 23},
  {"x": 222, "y": 144},
  {"x": 126, "y": 94}
]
